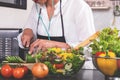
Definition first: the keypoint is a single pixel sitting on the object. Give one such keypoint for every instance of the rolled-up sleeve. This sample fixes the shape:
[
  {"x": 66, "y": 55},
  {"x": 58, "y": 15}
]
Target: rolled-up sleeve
[
  {"x": 32, "y": 21},
  {"x": 31, "y": 24}
]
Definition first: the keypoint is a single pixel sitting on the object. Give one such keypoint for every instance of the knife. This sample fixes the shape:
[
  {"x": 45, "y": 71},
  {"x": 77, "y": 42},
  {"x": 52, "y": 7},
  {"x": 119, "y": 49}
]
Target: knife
[{"x": 88, "y": 40}]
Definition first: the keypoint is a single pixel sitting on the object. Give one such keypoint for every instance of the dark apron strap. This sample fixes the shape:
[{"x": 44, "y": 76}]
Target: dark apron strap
[{"x": 60, "y": 39}]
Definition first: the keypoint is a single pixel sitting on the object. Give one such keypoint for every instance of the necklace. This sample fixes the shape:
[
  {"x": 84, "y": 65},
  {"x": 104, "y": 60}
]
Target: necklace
[{"x": 40, "y": 18}]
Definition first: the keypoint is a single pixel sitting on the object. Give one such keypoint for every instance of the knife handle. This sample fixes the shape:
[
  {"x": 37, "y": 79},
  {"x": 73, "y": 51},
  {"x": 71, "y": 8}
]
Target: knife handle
[{"x": 88, "y": 40}]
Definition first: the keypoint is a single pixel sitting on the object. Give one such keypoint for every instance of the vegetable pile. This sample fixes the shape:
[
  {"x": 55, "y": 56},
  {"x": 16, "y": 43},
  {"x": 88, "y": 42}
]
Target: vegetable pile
[
  {"x": 59, "y": 61},
  {"x": 108, "y": 39},
  {"x": 106, "y": 51}
]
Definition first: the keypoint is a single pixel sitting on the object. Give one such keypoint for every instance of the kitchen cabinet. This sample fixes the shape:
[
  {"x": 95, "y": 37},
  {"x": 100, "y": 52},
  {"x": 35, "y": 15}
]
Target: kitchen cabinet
[
  {"x": 99, "y": 4},
  {"x": 20, "y": 4}
]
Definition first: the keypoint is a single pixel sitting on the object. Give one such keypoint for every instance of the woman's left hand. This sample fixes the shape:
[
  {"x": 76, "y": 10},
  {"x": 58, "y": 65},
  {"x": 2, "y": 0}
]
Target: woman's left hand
[{"x": 42, "y": 44}]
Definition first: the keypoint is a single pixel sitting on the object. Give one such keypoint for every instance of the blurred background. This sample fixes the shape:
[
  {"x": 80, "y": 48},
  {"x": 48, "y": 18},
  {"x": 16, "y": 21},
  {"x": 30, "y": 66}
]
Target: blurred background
[{"x": 103, "y": 12}]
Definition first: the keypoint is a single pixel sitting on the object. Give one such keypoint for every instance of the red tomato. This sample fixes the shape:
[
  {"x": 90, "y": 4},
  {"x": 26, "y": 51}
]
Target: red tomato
[
  {"x": 25, "y": 69},
  {"x": 118, "y": 63},
  {"x": 6, "y": 71},
  {"x": 99, "y": 53},
  {"x": 59, "y": 66},
  {"x": 40, "y": 70},
  {"x": 18, "y": 73}
]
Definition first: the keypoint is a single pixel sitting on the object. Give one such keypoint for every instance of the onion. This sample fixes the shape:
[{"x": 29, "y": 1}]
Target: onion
[{"x": 40, "y": 70}]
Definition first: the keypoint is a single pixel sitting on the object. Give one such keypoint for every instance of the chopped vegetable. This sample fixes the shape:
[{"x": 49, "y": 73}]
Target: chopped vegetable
[{"x": 14, "y": 59}]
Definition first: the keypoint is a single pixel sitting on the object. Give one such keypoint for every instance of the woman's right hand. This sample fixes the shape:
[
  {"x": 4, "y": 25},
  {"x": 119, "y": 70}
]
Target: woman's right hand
[{"x": 26, "y": 37}]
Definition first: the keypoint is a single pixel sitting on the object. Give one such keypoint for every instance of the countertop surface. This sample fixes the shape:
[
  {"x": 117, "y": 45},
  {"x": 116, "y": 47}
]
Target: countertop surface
[{"x": 83, "y": 74}]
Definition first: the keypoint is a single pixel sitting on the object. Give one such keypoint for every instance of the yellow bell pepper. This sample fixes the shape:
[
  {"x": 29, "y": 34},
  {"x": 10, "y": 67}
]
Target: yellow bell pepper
[
  {"x": 107, "y": 65},
  {"x": 65, "y": 55},
  {"x": 57, "y": 50}
]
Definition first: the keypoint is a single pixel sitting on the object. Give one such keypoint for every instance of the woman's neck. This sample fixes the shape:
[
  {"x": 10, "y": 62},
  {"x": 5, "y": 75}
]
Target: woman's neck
[
  {"x": 50, "y": 3},
  {"x": 50, "y": 7}
]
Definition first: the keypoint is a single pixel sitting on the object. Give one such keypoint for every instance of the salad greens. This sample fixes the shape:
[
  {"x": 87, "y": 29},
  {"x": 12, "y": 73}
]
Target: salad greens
[
  {"x": 108, "y": 39},
  {"x": 72, "y": 60},
  {"x": 50, "y": 66}
]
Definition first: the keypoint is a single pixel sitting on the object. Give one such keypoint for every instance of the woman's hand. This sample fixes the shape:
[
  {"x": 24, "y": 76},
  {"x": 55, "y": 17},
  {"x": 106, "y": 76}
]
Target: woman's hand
[
  {"x": 27, "y": 37},
  {"x": 41, "y": 44}
]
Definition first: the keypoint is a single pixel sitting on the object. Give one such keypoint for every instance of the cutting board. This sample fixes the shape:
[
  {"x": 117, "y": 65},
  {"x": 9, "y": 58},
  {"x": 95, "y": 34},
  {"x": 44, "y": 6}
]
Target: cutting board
[{"x": 29, "y": 65}]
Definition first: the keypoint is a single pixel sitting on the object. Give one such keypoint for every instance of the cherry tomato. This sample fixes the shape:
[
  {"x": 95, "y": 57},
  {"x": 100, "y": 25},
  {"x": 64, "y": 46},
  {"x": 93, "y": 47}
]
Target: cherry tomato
[
  {"x": 6, "y": 71},
  {"x": 59, "y": 66},
  {"x": 25, "y": 69},
  {"x": 18, "y": 73}
]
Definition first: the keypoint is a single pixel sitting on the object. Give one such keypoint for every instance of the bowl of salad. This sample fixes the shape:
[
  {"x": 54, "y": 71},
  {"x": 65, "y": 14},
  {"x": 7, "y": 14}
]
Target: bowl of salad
[
  {"x": 106, "y": 52},
  {"x": 62, "y": 62}
]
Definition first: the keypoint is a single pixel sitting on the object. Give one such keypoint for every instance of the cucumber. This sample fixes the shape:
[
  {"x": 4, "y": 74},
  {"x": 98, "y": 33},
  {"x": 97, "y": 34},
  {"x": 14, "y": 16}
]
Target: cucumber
[
  {"x": 58, "y": 61},
  {"x": 68, "y": 66},
  {"x": 19, "y": 59},
  {"x": 7, "y": 58},
  {"x": 14, "y": 59},
  {"x": 30, "y": 59}
]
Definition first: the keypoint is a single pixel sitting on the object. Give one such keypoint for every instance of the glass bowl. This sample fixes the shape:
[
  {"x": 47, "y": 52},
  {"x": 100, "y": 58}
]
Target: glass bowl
[
  {"x": 61, "y": 62},
  {"x": 108, "y": 66}
]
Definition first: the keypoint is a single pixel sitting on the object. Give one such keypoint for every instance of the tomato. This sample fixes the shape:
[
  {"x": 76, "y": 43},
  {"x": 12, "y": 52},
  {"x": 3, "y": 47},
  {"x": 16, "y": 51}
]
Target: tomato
[
  {"x": 18, "y": 73},
  {"x": 59, "y": 66},
  {"x": 25, "y": 69},
  {"x": 40, "y": 70},
  {"x": 6, "y": 71},
  {"x": 118, "y": 63},
  {"x": 99, "y": 53}
]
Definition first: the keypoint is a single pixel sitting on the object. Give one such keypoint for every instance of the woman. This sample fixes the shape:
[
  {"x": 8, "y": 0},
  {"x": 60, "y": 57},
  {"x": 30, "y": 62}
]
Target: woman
[{"x": 57, "y": 23}]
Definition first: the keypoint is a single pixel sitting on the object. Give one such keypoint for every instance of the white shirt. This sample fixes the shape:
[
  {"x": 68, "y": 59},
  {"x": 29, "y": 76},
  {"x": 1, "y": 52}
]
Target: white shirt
[{"x": 77, "y": 19}]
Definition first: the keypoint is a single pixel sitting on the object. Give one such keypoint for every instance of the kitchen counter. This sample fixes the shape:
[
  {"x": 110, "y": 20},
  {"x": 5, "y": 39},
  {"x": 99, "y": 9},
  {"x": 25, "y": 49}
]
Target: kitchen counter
[
  {"x": 86, "y": 73},
  {"x": 83, "y": 74}
]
